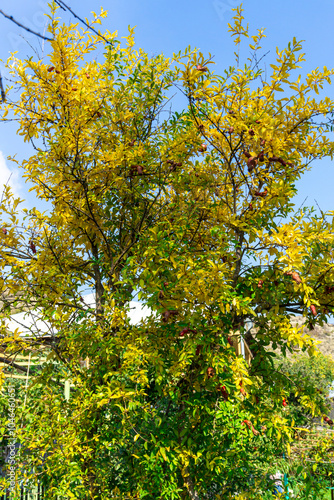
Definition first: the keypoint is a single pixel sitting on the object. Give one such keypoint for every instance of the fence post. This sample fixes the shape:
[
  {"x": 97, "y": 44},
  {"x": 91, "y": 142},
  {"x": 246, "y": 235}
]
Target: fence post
[{"x": 67, "y": 390}]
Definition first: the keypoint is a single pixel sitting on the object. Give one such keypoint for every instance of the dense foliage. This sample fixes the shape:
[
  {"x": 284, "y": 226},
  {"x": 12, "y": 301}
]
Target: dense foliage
[
  {"x": 191, "y": 212},
  {"x": 315, "y": 375}
]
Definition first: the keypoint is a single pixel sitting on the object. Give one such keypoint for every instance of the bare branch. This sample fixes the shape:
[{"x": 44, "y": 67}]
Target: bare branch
[
  {"x": 63, "y": 6},
  {"x": 14, "y": 365},
  {"x": 2, "y": 90},
  {"x": 24, "y": 27}
]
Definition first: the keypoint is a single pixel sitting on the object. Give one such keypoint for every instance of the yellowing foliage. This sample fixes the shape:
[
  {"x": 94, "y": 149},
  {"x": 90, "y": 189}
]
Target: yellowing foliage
[{"x": 190, "y": 212}]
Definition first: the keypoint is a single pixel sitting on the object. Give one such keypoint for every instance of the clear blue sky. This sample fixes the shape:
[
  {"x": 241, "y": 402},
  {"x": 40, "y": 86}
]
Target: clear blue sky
[{"x": 170, "y": 25}]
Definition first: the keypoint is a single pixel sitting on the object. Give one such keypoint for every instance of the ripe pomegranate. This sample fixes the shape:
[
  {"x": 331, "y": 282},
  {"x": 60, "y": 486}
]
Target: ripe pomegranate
[
  {"x": 250, "y": 426},
  {"x": 295, "y": 276},
  {"x": 203, "y": 69},
  {"x": 251, "y": 163},
  {"x": 222, "y": 389},
  {"x": 242, "y": 390},
  {"x": 32, "y": 246},
  {"x": 168, "y": 314},
  {"x": 313, "y": 310}
]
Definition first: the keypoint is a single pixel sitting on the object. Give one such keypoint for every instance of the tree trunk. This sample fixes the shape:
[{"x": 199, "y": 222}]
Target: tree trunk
[
  {"x": 99, "y": 289},
  {"x": 190, "y": 486}
]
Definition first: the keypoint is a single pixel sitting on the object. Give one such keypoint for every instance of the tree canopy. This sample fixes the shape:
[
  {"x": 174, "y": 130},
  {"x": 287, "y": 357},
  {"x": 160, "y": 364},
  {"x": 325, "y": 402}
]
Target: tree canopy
[{"x": 191, "y": 212}]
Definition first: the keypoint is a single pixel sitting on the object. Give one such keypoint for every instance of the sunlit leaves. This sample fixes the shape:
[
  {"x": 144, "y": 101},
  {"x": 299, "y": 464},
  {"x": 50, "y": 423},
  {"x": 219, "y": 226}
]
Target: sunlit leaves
[{"x": 190, "y": 212}]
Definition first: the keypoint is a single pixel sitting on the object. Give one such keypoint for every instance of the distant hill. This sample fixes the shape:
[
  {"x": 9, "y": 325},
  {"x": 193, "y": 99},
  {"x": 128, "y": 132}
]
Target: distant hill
[{"x": 323, "y": 333}]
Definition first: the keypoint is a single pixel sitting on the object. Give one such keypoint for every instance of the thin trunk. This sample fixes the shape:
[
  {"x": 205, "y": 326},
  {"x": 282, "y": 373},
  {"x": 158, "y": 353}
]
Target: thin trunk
[
  {"x": 190, "y": 486},
  {"x": 240, "y": 236},
  {"x": 89, "y": 469},
  {"x": 99, "y": 289}
]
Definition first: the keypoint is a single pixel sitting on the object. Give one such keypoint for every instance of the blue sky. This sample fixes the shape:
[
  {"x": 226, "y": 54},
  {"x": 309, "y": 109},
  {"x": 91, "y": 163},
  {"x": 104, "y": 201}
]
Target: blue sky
[{"x": 169, "y": 26}]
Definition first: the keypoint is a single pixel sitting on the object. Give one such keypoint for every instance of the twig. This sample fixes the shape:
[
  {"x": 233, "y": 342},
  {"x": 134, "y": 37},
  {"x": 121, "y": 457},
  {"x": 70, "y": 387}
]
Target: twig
[
  {"x": 5, "y": 185},
  {"x": 63, "y": 6},
  {"x": 14, "y": 365},
  {"x": 25, "y": 27},
  {"x": 26, "y": 386},
  {"x": 3, "y": 93},
  {"x": 322, "y": 213}
]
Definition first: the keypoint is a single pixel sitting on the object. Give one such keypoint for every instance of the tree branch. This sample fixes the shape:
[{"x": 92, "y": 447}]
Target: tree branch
[
  {"x": 2, "y": 90},
  {"x": 25, "y": 27},
  {"x": 14, "y": 365},
  {"x": 63, "y": 6}
]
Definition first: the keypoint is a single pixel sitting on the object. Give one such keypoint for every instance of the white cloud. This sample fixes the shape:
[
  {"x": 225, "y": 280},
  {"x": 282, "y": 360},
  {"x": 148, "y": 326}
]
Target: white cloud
[{"x": 10, "y": 177}]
